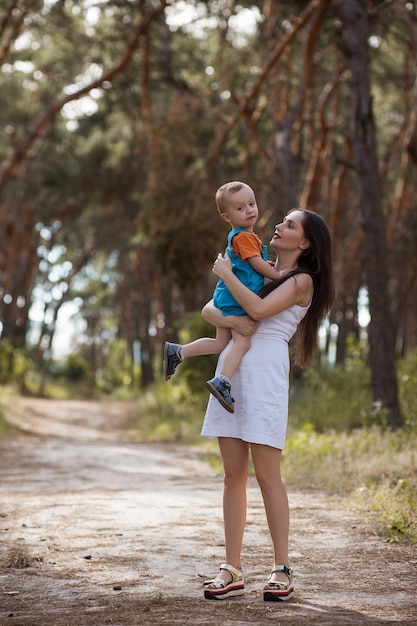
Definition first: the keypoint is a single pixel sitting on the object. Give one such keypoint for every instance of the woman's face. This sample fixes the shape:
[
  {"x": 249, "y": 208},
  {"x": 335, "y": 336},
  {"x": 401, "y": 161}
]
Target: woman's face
[{"x": 289, "y": 235}]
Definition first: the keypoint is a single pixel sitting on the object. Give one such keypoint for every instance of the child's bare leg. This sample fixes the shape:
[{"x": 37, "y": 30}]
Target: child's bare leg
[
  {"x": 175, "y": 353},
  {"x": 220, "y": 385},
  {"x": 233, "y": 355},
  {"x": 207, "y": 345}
]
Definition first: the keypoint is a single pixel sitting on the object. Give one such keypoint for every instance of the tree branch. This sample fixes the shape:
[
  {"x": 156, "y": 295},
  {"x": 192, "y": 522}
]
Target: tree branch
[
  {"x": 273, "y": 58},
  {"x": 15, "y": 27},
  {"x": 19, "y": 155}
]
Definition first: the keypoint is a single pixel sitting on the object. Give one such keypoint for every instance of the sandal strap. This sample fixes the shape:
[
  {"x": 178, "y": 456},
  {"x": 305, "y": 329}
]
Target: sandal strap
[
  {"x": 234, "y": 571},
  {"x": 285, "y": 569},
  {"x": 236, "y": 574}
]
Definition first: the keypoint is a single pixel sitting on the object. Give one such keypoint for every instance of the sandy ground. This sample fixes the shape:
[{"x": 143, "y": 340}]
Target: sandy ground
[{"x": 96, "y": 530}]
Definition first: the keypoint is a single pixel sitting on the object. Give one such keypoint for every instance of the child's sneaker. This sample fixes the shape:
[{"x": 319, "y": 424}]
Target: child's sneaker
[
  {"x": 172, "y": 358},
  {"x": 220, "y": 389}
]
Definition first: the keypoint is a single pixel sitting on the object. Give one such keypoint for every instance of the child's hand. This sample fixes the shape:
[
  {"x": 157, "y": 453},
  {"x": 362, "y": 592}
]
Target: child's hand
[{"x": 222, "y": 265}]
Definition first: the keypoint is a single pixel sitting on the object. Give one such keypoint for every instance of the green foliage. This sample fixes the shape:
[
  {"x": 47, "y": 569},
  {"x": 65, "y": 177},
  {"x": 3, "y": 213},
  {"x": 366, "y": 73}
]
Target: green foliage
[
  {"x": 6, "y": 361},
  {"x": 118, "y": 369},
  {"x": 338, "y": 398},
  {"x": 407, "y": 377},
  {"x": 169, "y": 413},
  {"x": 5, "y": 426},
  {"x": 395, "y": 504},
  {"x": 14, "y": 365},
  {"x": 117, "y": 376},
  {"x": 74, "y": 368}
]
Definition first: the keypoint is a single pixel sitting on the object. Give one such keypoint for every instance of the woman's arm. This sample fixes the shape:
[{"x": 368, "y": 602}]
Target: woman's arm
[
  {"x": 296, "y": 290},
  {"x": 243, "y": 324}
]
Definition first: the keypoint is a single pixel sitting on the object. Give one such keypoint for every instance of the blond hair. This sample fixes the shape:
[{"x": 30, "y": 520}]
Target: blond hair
[{"x": 226, "y": 190}]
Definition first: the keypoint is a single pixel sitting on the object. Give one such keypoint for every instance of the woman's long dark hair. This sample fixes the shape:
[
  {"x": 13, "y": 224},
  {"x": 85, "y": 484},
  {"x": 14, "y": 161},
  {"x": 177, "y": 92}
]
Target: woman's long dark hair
[{"x": 316, "y": 261}]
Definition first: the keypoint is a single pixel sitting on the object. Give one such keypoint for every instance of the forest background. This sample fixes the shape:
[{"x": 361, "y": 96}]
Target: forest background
[{"x": 121, "y": 118}]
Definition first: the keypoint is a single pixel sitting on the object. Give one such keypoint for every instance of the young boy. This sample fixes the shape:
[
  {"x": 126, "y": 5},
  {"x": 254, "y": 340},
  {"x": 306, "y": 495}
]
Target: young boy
[{"x": 237, "y": 206}]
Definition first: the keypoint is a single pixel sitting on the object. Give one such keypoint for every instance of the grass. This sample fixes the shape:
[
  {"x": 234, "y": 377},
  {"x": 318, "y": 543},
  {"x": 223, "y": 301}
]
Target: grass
[
  {"x": 373, "y": 469},
  {"x": 6, "y": 395}
]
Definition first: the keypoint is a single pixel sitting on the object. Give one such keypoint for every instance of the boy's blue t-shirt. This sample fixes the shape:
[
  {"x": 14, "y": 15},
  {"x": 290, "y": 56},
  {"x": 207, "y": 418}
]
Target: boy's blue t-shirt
[{"x": 222, "y": 298}]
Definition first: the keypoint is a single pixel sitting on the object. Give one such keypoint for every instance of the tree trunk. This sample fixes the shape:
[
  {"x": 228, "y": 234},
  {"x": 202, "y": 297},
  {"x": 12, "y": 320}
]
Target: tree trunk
[
  {"x": 18, "y": 262},
  {"x": 354, "y": 18}
]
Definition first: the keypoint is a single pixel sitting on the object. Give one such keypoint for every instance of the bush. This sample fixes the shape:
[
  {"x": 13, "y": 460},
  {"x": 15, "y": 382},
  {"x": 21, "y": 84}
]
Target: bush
[
  {"x": 74, "y": 368},
  {"x": 338, "y": 399},
  {"x": 14, "y": 365},
  {"x": 407, "y": 377},
  {"x": 170, "y": 413}
]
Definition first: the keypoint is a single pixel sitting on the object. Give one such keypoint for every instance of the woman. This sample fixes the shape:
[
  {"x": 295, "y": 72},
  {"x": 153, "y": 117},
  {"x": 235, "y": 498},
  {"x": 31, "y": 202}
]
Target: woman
[{"x": 297, "y": 301}]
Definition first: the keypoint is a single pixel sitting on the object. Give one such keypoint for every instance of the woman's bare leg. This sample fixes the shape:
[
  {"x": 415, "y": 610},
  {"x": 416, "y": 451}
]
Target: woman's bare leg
[
  {"x": 235, "y": 457},
  {"x": 267, "y": 462}
]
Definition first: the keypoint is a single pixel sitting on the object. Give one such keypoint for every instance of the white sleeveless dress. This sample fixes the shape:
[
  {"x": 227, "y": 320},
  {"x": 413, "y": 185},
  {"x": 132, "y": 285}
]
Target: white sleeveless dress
[{"x": 259, "y": 386}]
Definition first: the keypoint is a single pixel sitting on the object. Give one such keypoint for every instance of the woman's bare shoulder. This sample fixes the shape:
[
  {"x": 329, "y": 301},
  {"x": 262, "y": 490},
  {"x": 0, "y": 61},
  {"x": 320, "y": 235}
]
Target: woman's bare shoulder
[{"x": 304, "y": 288}]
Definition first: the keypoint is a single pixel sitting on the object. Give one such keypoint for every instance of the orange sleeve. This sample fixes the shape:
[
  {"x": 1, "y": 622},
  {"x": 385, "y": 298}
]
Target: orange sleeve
[{"x": 246, "y": 245}]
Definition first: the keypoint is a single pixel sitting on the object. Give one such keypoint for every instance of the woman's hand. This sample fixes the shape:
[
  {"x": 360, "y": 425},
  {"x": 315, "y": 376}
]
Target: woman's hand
[
  {"x": 222, "y": 265},
  {"x": 243, "y": 324}
]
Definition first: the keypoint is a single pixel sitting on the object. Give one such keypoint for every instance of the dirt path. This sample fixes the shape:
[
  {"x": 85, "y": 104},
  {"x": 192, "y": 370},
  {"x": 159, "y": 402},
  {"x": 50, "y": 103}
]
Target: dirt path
[{"x": 96, "y": 531}]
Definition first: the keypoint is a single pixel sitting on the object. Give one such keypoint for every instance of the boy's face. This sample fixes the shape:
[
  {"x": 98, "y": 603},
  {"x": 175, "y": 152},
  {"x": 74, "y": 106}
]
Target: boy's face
[{"x": 242, "y": 210}]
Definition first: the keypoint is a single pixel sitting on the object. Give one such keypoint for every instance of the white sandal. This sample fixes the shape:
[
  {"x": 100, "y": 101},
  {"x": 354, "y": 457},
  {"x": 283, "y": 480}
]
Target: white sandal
[
  {"x": 279, "y": 591},
  {"x": 216, "y": 589}
]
